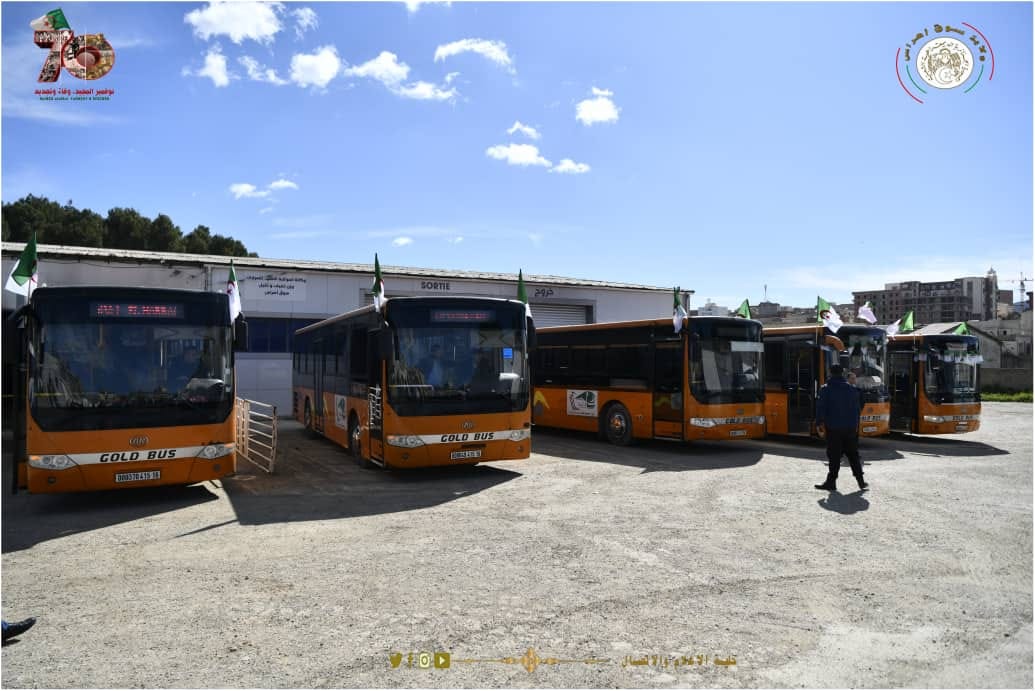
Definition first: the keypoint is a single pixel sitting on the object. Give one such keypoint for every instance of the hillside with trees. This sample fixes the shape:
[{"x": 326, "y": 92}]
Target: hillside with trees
[{"x": 122, "y": 228}]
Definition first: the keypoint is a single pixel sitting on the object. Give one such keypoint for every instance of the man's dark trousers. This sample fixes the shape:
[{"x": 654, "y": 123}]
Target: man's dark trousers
[{"x": 843, "y": 441}]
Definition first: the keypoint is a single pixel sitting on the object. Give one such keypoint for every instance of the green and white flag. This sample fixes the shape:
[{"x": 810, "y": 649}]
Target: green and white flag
[
  {"x": 51, "y": 21},
  {"x": 234, "y": 293},
  {"x": 828, "y": 315},
  {"x": 962, "y": 329},
  {"x": 523, "y": 296},
  {"x": 903, "y": 325},
  {"x": 378, "y": 289},
  {"x": 678, "y": 313},
  {"x": 866, "y": 312},
  {"x": 24, "y": 277},
  {"x": 744, "y": 310}
]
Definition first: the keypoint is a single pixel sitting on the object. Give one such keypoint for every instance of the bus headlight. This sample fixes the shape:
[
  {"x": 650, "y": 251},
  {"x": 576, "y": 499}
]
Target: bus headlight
[
  {"x": 934, "y": 418},
  {"x": 702, "y": 422},
  {"x": 216, "y": 451},
  {"x": 55, "y": 462},
  {"x": 520, "y": 434},
  {"x": 407, "y": 441}
]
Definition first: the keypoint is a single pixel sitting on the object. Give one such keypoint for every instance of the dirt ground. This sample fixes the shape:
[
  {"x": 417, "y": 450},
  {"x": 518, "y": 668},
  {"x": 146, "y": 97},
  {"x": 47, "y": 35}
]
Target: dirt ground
[{"x": 660, "y": 565}]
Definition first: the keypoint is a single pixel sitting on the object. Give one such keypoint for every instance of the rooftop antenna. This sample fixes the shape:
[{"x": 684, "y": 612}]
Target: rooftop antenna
[{"x": 765, "y": 292}]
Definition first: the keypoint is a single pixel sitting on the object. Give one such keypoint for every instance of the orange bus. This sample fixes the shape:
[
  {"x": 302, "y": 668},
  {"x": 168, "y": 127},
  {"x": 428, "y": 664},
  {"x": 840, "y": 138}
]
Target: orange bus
[
  {"x": 642, "y": 380},
  {"x": 934, "y": 381},
  {"x": 797, "y": 360},
  {"x": 123, "y": 387},
  {"x": 425, "y": 381}
]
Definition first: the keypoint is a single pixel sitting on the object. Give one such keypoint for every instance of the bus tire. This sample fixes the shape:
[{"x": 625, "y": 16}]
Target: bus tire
[
  {"x": 618, "y": 425},
  {"x": 356, "y": 444}
]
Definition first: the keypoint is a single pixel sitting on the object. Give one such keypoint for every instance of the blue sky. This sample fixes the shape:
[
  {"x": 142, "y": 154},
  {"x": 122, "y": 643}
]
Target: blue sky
[{"x": 720, "y": 147}]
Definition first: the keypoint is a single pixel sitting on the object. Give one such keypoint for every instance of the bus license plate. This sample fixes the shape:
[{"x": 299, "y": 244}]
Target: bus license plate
[
  {"x": 458, "y": 455},
  {"x": 738, "y": 433},
  {"x": 962, "y": 426},
  {"x": 137, "y": 477},
  {"x": 871, "y": 428}
]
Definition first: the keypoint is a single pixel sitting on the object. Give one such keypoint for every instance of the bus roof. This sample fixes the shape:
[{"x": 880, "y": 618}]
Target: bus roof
[
  {"x": 433, "y": 299},
  {"x": 660, "y": 321}
]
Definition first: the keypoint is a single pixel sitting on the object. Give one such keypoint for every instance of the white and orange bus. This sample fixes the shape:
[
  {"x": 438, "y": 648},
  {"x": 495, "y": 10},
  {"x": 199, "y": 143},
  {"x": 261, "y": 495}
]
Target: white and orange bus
[
  {"x": 642, "y": 380},
  {"x": 123, "y": 387},
  {"x": 934, "y": 382},
  {"x": 797, "y": 362},
  {"x": 425, "y": 381}
]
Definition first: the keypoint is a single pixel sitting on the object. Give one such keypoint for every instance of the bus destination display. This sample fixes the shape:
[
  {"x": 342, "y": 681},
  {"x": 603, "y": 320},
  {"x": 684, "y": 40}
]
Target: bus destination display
[
  {"x": 137, "y": 310},
  {"x": 463, "y": 315}
]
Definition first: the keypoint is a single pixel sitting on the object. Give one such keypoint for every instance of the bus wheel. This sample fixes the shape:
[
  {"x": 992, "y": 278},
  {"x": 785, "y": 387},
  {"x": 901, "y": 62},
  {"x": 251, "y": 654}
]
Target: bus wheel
[
  {"x": 618, "y": 425},
  {"x": 356, "y": 443}
]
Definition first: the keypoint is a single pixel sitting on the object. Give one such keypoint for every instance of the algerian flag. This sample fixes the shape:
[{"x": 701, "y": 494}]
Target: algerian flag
[
  {"x": 866, "y": 312},
  {"x": 24, "y": 277},
  {"x": 378, "y": 289},
  {"x": 234, "y": 293},
  {"x": 678, "y": 313},
  {"x": 828, "y": 315},
  {"x": 903, "y": 325},
  {"x": 962, "y": 329},
  {"x": 744, "y": 310},
  {"x": 51, "y": 21},
  {"x": 523, "y": 296}
]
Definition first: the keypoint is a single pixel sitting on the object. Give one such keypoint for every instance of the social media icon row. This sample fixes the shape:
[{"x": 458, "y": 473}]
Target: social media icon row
[{"x": 423, "y": 660}]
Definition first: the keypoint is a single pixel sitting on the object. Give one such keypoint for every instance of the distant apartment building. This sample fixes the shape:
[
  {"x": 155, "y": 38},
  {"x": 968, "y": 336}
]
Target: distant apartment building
[{"x": 962, "y": 299}]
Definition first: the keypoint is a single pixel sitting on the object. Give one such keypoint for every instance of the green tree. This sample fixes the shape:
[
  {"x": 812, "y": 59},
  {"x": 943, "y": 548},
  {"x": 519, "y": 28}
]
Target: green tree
[
  {"x": 227, "y": 247},
  {"x": 164, "y": 235},
  {"x": 126, "y": 229},
  {"x": 197, "y": 241},
  {"x": 80, "y": 228},
  {"x": 32, "y": 213}
]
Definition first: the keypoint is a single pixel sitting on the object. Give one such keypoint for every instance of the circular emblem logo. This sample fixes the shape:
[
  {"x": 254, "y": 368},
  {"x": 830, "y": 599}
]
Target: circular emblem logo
[
  {"x": 945, "y": 63},
  {"x": 138, "y": 441},
  {"x": 468, "y": 425}
]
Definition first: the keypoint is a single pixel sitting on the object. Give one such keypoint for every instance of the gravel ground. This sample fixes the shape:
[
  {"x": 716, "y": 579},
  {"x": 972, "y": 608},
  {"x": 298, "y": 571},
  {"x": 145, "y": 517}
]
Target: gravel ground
[{"x": 581, "y": 560}]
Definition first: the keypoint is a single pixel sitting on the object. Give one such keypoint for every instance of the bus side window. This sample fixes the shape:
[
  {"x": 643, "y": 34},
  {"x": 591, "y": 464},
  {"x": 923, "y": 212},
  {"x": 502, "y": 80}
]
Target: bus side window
[
  {"x": 774, "y": 362},
  {"x": 668, "y": 367},
  {"x": 357, "y": 354}
]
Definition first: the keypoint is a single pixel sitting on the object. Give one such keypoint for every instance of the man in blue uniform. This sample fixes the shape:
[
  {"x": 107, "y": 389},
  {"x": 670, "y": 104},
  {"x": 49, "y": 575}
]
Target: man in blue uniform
[{"x": 837, "y": 416}]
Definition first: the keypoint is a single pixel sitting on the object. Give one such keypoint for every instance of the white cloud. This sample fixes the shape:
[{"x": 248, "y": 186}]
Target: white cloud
[
  {"x": 315, "y": 69},
  {"x": 414, "y": 5},
  {"x": 283, "y": 184},
  {"x": 517, "y": 155},
  {"x": 241, "y": 190},
  {"x": 451, "y": 76},
  {"x": 402, "y": 241},
  {"x": 571, "y": 167},
  {"x": 266, "y": 210},
  {"x": 598, "y": 109},
  {"x": 455, "y": 241},
  {"x": 495, "y": 51},
  {"x": 238, "y": 21},
  {"x": 387, "y": 69},
  {"x": 305, "y": 19},
  {"x": 215, "y": 68},
  {"x": 260, "y": 73},
  {"x": 536, "y": 239},
  {"x": 529, "y": 132}
]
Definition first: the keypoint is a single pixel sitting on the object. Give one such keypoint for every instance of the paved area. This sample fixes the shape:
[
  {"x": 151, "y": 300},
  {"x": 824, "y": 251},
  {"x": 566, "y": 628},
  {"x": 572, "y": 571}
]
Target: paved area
[{"x": 660, "y": 565}]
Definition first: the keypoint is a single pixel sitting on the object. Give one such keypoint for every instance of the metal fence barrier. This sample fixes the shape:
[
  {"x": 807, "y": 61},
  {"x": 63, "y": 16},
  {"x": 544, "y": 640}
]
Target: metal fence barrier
[{"x": 257, "y": 433}]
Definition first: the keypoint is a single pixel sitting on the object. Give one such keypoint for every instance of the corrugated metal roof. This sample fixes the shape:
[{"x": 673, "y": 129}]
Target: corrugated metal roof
[{"x": 61, "y": 251}]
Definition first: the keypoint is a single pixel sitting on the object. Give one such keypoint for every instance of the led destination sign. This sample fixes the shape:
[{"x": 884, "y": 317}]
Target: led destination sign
[
  {"x": 137, "y": 310},
  {"x": 463, "y": 315}
]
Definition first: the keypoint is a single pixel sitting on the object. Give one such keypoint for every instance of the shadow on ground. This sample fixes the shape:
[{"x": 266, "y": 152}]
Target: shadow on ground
[
  {"x": 316, "y": 479},
  {"x": 650, "y": 455}
]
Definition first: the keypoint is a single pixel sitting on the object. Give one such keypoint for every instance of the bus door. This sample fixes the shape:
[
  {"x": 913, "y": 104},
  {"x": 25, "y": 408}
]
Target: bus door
[
  {"x": 800, "y": 384},
  {"x": 375, "y": 393},
  {"x": 902, "y": 385},
  {"x": 319, "y": 366},
  {"x": 669, "y": 377}
]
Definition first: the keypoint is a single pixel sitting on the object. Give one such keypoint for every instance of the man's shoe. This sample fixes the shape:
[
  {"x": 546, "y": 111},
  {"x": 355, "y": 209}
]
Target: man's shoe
[
  {"x": 18, "y": 627},
  {"x": 827, "y": 486},
  {"x": 863, "y": 484}
]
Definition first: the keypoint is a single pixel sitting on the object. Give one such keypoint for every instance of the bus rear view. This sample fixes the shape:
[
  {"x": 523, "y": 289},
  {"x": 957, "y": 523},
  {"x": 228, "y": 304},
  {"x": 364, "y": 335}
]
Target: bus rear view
[{"x": 122, "y": 388}]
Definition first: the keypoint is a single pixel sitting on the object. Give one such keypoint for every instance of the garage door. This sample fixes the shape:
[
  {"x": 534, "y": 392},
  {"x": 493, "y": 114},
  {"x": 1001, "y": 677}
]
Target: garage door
[{"x": 559, "y": 315}]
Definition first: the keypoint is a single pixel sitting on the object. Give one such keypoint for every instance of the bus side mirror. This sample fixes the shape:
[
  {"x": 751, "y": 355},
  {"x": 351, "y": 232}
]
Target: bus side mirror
[
  {"x": 530, "y": 333},
  {"x": 241, "y": 335}
]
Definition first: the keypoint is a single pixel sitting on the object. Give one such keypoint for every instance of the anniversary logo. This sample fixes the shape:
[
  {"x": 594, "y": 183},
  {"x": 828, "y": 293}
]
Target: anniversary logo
[
  {"x": 87, "y": 56},
  {"x": 944, "y": 58}
]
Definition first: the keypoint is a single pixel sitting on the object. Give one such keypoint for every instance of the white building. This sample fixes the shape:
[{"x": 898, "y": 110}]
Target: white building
[{"x": 279, "y": 296}]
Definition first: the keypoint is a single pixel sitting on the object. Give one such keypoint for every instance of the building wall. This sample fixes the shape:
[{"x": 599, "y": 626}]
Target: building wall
[{"x": 1009, "y": 380}]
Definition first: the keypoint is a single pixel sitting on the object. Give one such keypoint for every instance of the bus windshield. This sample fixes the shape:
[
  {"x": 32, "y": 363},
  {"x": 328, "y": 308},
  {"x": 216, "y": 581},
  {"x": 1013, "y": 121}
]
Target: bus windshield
[
  {"x": 726, "y": 363},
  {"x": 449, "y": 361},
  {"x": 865, "y": 358},
  {"x": 951, "y": 374},
  {"x": 98, "y": 375}
]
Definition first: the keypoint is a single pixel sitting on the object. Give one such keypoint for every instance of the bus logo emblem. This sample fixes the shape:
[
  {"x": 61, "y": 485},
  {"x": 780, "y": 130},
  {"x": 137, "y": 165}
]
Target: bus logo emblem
[
  {"x": 468, "y": 425},
  {"x": 138, "y": 441}
]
